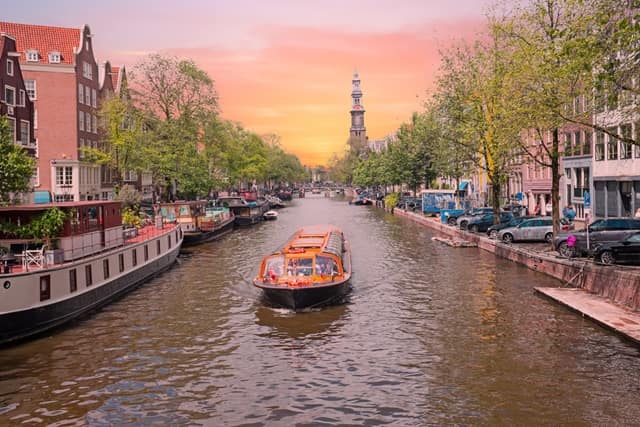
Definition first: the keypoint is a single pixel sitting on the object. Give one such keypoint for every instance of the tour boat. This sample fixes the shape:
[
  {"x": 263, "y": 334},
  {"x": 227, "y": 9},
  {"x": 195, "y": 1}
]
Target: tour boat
[
  {"x": 312, "y": 269},
  {"x": 199, "y": 222},
  {"x": 270, "y": 215},
  {"x": 96, "y": 261}
]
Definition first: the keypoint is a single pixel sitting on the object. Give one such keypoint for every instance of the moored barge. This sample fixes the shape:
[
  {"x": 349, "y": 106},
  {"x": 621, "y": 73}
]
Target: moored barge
[
  {"x": 199, "y": 222},
  {"x": 312, "y": 269},
  {"x": 97, "y": 260}
]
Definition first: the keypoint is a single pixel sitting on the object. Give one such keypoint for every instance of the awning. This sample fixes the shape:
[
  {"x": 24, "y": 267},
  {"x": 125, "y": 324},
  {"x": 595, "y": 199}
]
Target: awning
[{"x": 463, "y": 186}]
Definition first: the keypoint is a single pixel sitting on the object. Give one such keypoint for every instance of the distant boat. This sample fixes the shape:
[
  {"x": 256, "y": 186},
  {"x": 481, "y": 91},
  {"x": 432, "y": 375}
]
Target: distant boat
[
  {"x": 200, "y": 223},
  {"x": 97, "y": 260},
  {"x": 270, "y": 215},
  {"x": 312, "y": 269}
]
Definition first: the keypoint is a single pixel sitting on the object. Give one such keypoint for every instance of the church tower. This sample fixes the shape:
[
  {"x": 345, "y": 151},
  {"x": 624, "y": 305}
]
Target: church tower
[{"x": 357, "y": 133}]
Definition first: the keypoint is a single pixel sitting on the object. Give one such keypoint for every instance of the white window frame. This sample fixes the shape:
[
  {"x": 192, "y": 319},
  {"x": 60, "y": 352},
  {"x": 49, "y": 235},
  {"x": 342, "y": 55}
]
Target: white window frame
[
  {"x": 81, "y": 119},
  {"x": 54, "y": 57},
  {"x": 94, "y": 123},
  {"x": 87, "y": 71},
  {"x": 10, "y": 89},
  {"x": 64, "y": 175},
  {"x": 87, "y": 122},
  {"x": 12, "y": 125},
  {"x": 28, "y": 140},
  {"x": 22, "y": 98},
  {"x": 10, "y": 67},
  {"x": 80, "y": 93},
  {"x": 32, "y": 55},
  {"x": 30, "y": 89},
  {"x": 36, "y": 177},
  {"x": 87, "y": 96},
  {"x": 94, "y": 98}
]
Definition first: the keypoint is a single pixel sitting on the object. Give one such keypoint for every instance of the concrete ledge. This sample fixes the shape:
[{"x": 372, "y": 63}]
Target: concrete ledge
[
  {"x": 598, "y": 309},
  {"x": 617, "y": 284}
]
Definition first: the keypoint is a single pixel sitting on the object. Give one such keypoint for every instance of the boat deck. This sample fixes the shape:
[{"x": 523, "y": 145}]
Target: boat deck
[{"x": 144, "y": 233}]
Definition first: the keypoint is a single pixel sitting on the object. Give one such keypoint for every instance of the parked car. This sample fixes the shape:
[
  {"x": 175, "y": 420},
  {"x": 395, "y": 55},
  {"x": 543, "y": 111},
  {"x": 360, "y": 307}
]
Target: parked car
[
  {"x": 453, "y": 217},
  {"x": 626, "y": 251},
  {"x": 483, "y": 222},
  {"x": 601, "y": 231},
  {"x": 535, "y": 229},
  {"x": 493, "y": 230},
  {"x": 516, "y": 209}
]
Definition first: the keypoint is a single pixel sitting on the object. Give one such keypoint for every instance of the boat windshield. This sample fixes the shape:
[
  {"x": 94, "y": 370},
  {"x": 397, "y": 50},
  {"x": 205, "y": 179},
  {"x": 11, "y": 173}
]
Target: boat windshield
[
  {"x": 274, "y": 267},
  {"x": 300, "y": 266},
  {"x": 326, "y": 266}
]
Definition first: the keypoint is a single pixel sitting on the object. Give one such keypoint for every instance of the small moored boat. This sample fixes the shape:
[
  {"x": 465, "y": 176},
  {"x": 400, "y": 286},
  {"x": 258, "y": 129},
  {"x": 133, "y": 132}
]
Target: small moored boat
[
  {"x": 270, "y": 215},
  {"x": 312, "y": 269},
  {"x": 200, "y": 222}
]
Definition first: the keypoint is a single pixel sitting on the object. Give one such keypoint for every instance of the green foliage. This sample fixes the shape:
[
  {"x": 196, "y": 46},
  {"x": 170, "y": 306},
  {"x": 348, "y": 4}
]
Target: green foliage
[
  {"x": 129, "y": 196},
  {"x": 391, "y": 200},
  {"x": 16, "y": 166},
  {"x": 46, "y": 226},
  {"x": 131, "y": 218}
]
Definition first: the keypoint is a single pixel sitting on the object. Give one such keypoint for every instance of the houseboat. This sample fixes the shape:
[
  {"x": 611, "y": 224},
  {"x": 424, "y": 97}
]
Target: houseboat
[
  {"x": 312, "y": 269},
  {"x": 199, "y": 222},
  {"x": 96, "y": 261},
  {"x": 245, "y": 213}
]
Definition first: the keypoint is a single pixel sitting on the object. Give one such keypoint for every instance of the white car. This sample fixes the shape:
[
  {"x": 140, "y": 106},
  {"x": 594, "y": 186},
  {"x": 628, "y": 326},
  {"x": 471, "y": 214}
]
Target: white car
[{"x": 535, "y": 229}]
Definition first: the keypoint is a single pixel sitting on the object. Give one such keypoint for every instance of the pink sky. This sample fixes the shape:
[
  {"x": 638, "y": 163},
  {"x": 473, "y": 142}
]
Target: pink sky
[{"x": 285, "y": 66}]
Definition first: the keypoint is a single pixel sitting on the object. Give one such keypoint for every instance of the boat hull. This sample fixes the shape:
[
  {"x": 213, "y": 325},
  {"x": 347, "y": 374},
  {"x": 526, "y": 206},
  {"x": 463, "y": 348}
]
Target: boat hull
[
  {"x": 196, "y": 238},
  {"x": 243, "y": 221},
  {"x": 305, "y": 297},
  {"x": 22, "y": 324}
]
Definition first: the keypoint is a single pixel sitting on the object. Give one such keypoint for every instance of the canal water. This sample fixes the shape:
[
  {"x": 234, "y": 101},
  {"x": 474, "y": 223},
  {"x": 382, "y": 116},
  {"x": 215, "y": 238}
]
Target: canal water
[{"x": 430, "y": 335}]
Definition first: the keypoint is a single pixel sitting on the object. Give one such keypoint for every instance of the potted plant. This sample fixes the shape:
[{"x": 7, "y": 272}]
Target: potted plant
[{"x": 46, "y": 228}]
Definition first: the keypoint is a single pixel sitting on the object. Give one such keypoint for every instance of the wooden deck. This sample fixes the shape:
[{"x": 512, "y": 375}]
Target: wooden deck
[{"x": 599, "y": 309}]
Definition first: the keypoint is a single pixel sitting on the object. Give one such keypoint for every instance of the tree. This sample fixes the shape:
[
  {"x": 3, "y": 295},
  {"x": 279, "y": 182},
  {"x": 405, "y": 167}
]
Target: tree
[{"x": 16, "y": 166}]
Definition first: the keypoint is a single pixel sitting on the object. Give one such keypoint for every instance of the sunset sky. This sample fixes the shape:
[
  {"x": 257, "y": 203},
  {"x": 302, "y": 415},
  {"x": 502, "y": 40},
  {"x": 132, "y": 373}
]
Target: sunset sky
[{"x": 284, "y": 66}]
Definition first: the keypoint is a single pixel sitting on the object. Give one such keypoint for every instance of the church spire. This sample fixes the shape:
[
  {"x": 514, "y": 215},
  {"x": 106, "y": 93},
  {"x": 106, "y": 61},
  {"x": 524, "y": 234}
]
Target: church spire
[{"x": 357, "y": 133}]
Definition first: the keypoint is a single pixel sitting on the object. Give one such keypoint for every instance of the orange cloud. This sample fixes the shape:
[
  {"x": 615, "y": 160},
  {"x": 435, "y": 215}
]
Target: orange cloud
[{"x": 298, "y": 83}]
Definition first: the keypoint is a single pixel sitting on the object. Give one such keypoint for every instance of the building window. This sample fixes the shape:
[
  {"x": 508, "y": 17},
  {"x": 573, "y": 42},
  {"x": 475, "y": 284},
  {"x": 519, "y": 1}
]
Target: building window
[
  {"x": 599, "y": 151},
  {"x": 81, "y": 119},
  {"x": 87, "y": 121},
  {"x": 586, "y": 148},
  {"x": 121, "y": 262},
  {"x": 32, "y": 56},
  {"x": 87, "y": 71},
  {"x": 169, "y": 240},
  {"x": 73, "y": 280},
  {"x": 95, "y": 124},
  {"x": 146, "y": 253},
  {"x": 134, "y": 257},
  {"x": 80, "y": 93},
  {"x": 12, "y": 128},
  {"x": 22, "y": 98},
  {"x": 45, "y": 288},
  {"x": 87, "y": 96},
  {"x": 625, "y": 147},
  {"x": 64, "y": 175},
  {"x": 612, "y": 145},
  {"x": 9, "y": 95},
  {"x": 54, "y": 57},
  {"x": 105, "y": 268},
  {"x": 88, "y": 278},
  {"x": 9, "y": 67},
  {"x": 158, "y": 247},
  {"x": 30, "y": 86},
  {"x": 568, "y": 151},
  {"x": 24, "y": 132},
  {"x": 94, "y": 98},
  {"x": 81, "y": 151}
]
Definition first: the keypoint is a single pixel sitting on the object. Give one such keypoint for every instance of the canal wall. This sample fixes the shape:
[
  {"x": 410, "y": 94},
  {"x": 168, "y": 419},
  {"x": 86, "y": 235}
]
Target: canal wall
[{"x": 618, "y": 284}]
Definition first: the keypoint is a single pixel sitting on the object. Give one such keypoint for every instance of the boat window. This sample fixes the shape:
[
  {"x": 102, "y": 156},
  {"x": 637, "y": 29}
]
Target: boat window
[
  {"x": 300, "y": 267},
  {"x": 184, "y": 210},
  {"x": 274, "y": 267},
  {"x": 45, "y": 287},
  {"x": 73, "y": 280},
  {"x": 326, "y": 266}
]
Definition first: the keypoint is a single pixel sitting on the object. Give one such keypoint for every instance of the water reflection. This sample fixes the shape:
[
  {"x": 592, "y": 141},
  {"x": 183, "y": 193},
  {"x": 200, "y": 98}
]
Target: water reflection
[{"x": 317, "y": 323}]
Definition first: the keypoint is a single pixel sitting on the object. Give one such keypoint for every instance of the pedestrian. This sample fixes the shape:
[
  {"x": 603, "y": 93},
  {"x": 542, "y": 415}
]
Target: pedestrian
[
  {"x": 569, "y": 213},
  {"x": 536, "y": 211}
]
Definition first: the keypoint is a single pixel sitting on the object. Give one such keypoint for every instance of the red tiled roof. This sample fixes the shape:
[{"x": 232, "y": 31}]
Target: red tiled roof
[{"x": 44, "y": 39}]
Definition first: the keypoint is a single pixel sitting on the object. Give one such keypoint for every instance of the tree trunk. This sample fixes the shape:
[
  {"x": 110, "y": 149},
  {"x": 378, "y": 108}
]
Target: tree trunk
[{"x": 495, "y": 195}]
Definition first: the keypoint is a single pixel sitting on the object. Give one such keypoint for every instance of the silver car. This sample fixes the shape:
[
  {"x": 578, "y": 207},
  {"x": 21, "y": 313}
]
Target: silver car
[{"x": 535, "y": 229}]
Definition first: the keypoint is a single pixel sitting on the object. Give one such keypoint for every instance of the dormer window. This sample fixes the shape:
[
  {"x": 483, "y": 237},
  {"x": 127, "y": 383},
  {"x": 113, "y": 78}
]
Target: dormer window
[
  {"x": 54, "y": 57},
  {"x": 32, "y": 55}
]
